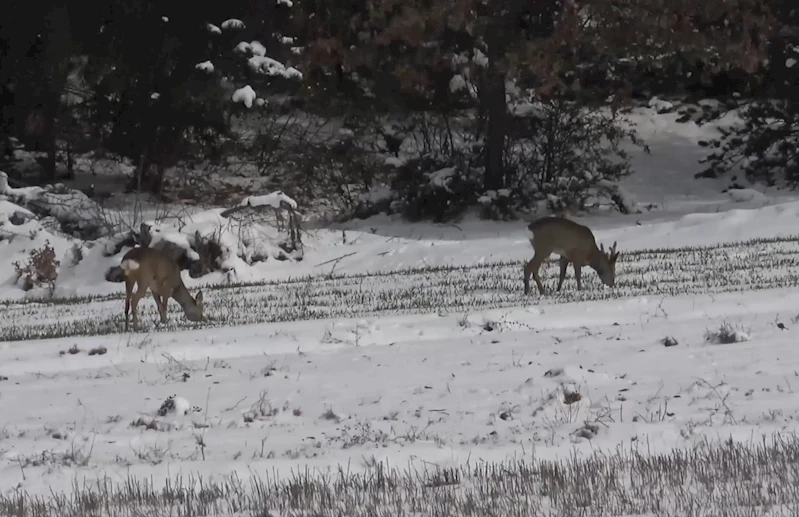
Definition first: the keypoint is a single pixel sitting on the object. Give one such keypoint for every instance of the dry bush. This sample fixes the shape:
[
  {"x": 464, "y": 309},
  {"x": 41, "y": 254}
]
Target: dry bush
[
  {"x": 41, "y": 268},
  {"x": 726, "y": 334}
]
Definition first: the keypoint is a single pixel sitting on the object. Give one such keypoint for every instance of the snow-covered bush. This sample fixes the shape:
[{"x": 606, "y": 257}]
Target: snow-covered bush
[
  {"x": 726, "y": 334},
  {"x": 763, "y": 144},
  {"x": 265, "y": 227},
  {"x": 497, "y": 205},
  {"x": 559, "y": 152},
  {"x": 338, "y": 171},
  {"x": 566, "y": 153},
  {"x": 429, "y": 189}
]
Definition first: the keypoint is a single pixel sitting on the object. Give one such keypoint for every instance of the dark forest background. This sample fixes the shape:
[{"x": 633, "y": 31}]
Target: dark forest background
[{"x": 419, "y": 107}]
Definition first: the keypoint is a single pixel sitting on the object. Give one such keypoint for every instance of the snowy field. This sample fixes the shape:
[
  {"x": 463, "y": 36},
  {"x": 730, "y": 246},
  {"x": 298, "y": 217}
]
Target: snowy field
[{"x": 399, "y": 369}]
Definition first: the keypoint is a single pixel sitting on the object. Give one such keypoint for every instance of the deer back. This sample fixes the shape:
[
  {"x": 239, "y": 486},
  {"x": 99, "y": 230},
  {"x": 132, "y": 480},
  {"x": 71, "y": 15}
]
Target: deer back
[
  {"x": 153, "y": 269},
  {"x": 564, "y": 237}
]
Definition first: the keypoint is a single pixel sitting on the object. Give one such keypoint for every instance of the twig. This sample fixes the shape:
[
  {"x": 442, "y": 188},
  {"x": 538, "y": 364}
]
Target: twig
[
  {"x": 173, "y": 360},
  {"x": 336, "y": 259},
  {"x": 234, "y": 406}
]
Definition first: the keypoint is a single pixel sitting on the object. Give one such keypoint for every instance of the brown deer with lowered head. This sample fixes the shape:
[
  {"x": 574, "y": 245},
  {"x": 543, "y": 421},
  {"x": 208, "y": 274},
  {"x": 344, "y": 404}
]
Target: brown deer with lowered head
[
  {"x": 575, "y": 244},
  {"x": 148, "y": 268}
]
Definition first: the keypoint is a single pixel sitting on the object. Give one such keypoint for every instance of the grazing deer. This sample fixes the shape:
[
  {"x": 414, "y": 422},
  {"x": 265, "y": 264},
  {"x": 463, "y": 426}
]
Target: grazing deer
[
  {"x": 575, "y": 244},
  {"x": 148, "y": 268}
]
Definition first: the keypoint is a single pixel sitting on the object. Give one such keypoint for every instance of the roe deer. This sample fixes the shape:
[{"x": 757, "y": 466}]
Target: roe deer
[
  {"x": 575, "y": 244},
  {"x": 148, "y": 268}
]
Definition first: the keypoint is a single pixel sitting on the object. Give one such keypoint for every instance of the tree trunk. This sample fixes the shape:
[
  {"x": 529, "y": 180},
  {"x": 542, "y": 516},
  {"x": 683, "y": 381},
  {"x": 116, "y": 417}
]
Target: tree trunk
[
  {"x": 495, "y": 109},
  {"x": 138, "y": 179},
  {"x": 150, "y": 172},
  {"x": 49, "y": 133},
  {"x": 494, "y": 176}
]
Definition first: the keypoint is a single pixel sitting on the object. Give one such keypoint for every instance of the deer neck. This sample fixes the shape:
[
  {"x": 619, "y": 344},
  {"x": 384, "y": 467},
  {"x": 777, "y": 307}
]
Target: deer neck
[
  {"x": 185, "y": 300},
  {"x": 595, "y": 260}
]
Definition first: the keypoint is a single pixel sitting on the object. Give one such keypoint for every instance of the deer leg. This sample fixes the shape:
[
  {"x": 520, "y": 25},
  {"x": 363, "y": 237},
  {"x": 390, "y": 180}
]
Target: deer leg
[
  {"x": 134, "y": 304},
  {"x": 528, "y": 270},
  {"x": 578, "y": 270},
  {"x": 165, "y": 305},
  {"x": 160, "y": 302},
  {"x": 564, "y": 263},
  {"x": 533, "y": 268},
  {"x": 128, "y": 292}
]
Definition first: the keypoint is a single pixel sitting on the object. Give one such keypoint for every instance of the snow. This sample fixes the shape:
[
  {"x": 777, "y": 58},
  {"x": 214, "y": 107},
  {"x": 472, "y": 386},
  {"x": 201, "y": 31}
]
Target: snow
[
  {"x": 179, "y": 239},
  {"x": 233, "y": 23},
  {"x": 8, "y": 209},
  {"x": 443, "y": 378},
  {"x": 660, "y": 105},
  {"x": 268, "y": 66},
  {"x": 21, "y": 192},
  {"x": 790, "y": 62},
  {"x": 245, "y": 95},
  {"x": 744, "y": 195},
  {"x": 243, "y": 47},
  {"x": 273, "y": 199},
  {"x": 442, "y": 178},
  {"x": 213, "y": 29},
  {"x": 457, "y": 83},
  {"x": 66, "y": 205},
  {"x": 310, "y": 368},
  {"x": 479, "y": 58},
  {"x": 259, "y": 62},
  {"x": 492, "y": 195},
  {"x": 205, "y": 66},
  {"x": 257, "y": 48}
]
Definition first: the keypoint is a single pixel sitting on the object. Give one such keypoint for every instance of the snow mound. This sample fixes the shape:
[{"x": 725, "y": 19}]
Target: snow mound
[
  {"x": 660, "y": 105},
  {"x": 205, "y": 66},
  {"x": 745, "y": 195},
  {"x": 73, "y": 209},
  {"x": 214, "y": 247},
  {"x": 245, "y": 95},
  {"x": 174, "y": 405},
  {"x": 11, "y": 211},
  {"x": 240, "y": 244},
  {"x": 273, "y": 199},
  {"x": 268, "y": 66},
  {"x": 233, "y": 23}
]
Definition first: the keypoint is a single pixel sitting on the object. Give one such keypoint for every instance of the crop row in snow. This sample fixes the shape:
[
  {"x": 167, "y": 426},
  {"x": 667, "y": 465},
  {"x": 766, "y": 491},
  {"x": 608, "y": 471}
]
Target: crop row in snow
[
  {"x": 751, "y": 265},
  {"x": 727, "y": 479}
]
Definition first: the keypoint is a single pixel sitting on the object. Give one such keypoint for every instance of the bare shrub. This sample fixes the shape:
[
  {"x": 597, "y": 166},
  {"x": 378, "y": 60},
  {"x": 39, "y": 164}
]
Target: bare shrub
[
  {"x": 567, "y": 154},
  {"x": 669, "y": 341},
  {"x": 726, "y": 334},
  {"x": 41, "y": 268},
  {"x": 329, "y": 414}
]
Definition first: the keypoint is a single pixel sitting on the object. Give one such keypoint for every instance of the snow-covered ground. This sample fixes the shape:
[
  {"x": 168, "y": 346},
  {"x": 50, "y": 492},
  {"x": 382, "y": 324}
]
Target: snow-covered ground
[
  {"x": 411, "y": 344},
  {"x": 486, "y": 385}
]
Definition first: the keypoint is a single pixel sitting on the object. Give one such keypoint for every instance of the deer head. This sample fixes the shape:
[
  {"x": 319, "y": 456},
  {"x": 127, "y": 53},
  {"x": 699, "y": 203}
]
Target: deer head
[
  {"x": 606, "y": 268},
  {"x": 194, "y": 309}
]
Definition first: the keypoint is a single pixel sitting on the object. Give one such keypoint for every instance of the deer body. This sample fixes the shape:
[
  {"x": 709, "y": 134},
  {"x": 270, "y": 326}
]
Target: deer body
[
  {"x": 575, "y": 244},
  {"x": 147, "y": 268}
]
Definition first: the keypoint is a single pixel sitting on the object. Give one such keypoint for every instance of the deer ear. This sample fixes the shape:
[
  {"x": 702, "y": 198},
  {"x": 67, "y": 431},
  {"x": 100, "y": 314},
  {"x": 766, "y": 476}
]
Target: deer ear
[{"x": 199, "y": 298}]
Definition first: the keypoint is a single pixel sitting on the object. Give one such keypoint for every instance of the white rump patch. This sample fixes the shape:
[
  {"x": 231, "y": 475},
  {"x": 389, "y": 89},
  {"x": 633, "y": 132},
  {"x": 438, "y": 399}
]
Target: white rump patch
[{"x": 129, "y": 265}]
